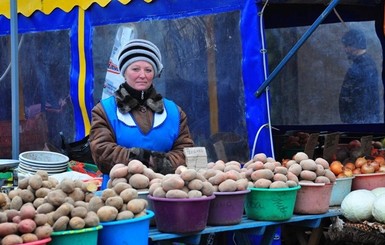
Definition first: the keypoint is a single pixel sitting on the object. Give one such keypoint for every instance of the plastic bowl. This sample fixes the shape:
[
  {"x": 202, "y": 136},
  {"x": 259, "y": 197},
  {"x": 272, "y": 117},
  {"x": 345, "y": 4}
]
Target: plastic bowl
[
  {"x": 227, "y": 208},
  {"x": 368, "y": 181},
  {"x": 187, "y": 215},
  {"x": 86, "y": 236},
  {"x": 313, "y": 198},
  {"x": 271, "y": 204},
  {"x": 126, "y": 232},
  {"x": 341, "y": 188}
]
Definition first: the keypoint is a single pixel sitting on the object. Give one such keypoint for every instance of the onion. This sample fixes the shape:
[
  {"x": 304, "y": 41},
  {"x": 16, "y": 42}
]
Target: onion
[
  {"x": 367, "y": 168},
  {"x": 360, "y": 161}
]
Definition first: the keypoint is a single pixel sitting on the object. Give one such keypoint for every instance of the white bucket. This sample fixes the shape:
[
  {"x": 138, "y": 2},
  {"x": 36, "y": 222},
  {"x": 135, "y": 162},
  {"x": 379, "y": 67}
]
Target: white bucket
[{"x": 341, "y": 188}]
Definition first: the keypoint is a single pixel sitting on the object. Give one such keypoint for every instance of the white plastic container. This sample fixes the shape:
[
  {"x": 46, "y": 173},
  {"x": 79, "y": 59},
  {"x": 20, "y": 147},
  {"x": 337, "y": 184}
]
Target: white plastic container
[{"x": 341, "y": 188}]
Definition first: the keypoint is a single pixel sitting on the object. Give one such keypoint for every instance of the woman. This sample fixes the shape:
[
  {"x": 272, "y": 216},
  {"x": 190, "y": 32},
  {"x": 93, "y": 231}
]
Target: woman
[{"x": 137, "y": 122}]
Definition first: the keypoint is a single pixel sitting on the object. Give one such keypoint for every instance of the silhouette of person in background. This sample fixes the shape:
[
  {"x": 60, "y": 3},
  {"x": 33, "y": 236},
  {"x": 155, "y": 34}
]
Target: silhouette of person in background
[{"x": 359, "y": 100}]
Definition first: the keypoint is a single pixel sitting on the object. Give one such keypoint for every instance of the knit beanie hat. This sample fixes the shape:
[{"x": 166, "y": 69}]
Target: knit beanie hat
[
  {"x": 140, "y": 49},
  {"x": 354, "y": 38}
]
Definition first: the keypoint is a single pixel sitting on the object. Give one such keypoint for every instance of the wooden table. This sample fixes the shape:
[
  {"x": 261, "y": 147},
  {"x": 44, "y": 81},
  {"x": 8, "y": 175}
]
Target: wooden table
[{"x": 265, "y": 228}]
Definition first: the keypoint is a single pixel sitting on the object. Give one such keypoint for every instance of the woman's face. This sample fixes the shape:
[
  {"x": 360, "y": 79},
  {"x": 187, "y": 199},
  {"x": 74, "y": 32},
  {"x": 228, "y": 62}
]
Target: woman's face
[{"x": 139, "y": 75}]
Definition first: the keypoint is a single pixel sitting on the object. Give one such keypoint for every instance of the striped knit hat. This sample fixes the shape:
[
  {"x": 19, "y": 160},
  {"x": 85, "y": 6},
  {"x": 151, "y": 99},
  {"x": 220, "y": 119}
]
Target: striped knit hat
[{"x": 140, "y": 49}]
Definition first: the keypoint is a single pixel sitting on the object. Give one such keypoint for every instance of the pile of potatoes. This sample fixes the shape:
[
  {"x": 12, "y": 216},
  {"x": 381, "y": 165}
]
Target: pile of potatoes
[
  {"x": 184, "y": 183},
  {"x": 308, "y": 170},
  {"x": 226, "y": 177},
  {"x": 266, "y": 172},
  {"x": 118, "y": 203},
  {"x": 41, "y": 205},
  {"x": 135, "y": 173}
]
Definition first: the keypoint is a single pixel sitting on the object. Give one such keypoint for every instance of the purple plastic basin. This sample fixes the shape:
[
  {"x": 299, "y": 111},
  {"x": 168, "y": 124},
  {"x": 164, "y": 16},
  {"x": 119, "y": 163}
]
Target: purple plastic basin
[
  {"x": 187, "y": 215},
  {"x": 227, "y": 208}
]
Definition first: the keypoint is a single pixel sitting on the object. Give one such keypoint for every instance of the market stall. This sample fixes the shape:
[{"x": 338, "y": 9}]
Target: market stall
[{"x": 229, "y": 46}]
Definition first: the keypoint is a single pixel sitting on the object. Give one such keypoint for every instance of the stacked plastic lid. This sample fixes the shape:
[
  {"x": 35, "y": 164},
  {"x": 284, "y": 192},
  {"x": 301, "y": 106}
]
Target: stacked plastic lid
[{"x": 51, "y": 162}]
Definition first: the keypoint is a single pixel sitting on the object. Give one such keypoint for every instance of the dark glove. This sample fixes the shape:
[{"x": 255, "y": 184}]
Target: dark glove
[
  {"x": 160, "y": 163},
  {"x": 140, "y": 154}
]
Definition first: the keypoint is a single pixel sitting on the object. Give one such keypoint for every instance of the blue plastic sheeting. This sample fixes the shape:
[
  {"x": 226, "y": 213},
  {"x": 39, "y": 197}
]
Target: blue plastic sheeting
[{"x": 253, "y": 75}]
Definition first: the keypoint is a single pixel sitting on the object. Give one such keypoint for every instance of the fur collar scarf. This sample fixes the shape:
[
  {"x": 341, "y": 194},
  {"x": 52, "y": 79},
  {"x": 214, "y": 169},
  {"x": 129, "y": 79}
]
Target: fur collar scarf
[{"x": 128, "y": 99}]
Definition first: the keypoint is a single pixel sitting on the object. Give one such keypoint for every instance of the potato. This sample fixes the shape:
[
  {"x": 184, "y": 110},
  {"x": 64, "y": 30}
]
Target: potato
[
  {"x": 159, "y": 192},
  {"x": 262, "y": 183},
  {"x": 67, "y": 186},
  {"x": 106, "y": 193},
  {"x": 278, "y": 184},
  {"x": 91, "y": 219},
  {"x": 218, "y": 178},
  {"x": 81, "y": 204},
  {"x": 149, "y": 173},
  {"x": 135, "y": 167},
  {"x": 95, "y": 203},
  {"x": 279, "y": 177},
  {"x": 299, "y": 156},
  {"x": 64, "y": 210},
  {"x": 45, "y": 208},
  {"x": 40, "y": 219},
  {"x": 107, "y": 213},
  {"x": 137, "y": 205},
  {"x": 188, "y": 174},
  {"x": 29, "y": 237},
  {"x": 330, "y": 175},
  {"x": 228, "y": 185},
  {"x": 153, "y": 187},
  {"x": 80, "y": 212},
  {"x": 128, "y": 194},
  {"x": 180, "y": 169},
  {"x": 127, "y": 214},
  {"x": 43, "y": 231},
  {"x": 207, "y": 188},
  {"x": 210, "y": 173},
  {"x": 77, "y": 194},
  {"x": 117, "y": 181},
  {"x": 292, "y": 183},
  {"x": 281, "y": 170},
  {"x": 308, "y": 175},
  {"x": 118, "y": 171},
  {"x": 322, "y": 179},
  {"x": 295, "y": 168},
  {"x": 7, "y": 228},
  {"x": 26, "y": 226},
  {"x": 194, "y": 194},
  {"x": 23, "y": 183},
  {"x": 35, "y": 181},
  {"x": 242, "y": 184},
  {"x": 256, "y": 165},
  {"x": 3, "y": 217},
  {"x": 262, "y": 174},
  {"x": 11, "y": 213},
  {"x": 43, "y": 174},
  {"x": 11, "y": 239},
  {"x": 172, "y": 182},
  {"x": 27, "y": 211},
  {"x": 323, "y": 162},
  {"x": 116, "y": 202},
  {"x": 61, "y": 224},
  {"x": 195, "y": 184},
  {"x": 56, "y": 197},
  {"x": 119, "y": 187},
  {"x": 16, "y": 203},
  {"x": 139, "y": 181},
  {"x": 291, "y": 176},
  {"x": 308, "y": 164},
  {"x": 76, "y": 223},
  {"x": 176, "y": 194},
  {"x": 42, "y": 192}
]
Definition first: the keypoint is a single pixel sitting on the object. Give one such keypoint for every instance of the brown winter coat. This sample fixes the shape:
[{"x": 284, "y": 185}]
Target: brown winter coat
[{"x": 107, "y": 153}]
